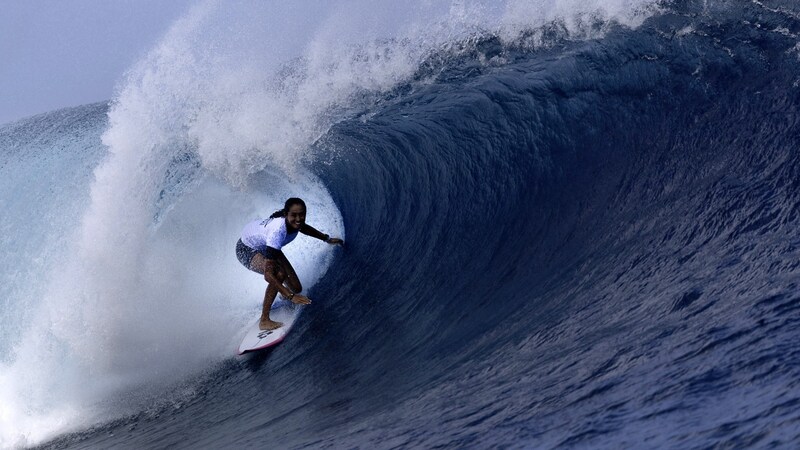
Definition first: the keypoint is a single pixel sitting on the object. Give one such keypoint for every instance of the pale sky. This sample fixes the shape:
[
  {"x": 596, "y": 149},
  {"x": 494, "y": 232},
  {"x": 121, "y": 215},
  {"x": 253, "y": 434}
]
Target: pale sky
[{"x": 60, "y": 53}]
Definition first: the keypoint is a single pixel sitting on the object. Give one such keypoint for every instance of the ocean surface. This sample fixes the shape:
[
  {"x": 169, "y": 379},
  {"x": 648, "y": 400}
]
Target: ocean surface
[{"x": 568, "y": 225}]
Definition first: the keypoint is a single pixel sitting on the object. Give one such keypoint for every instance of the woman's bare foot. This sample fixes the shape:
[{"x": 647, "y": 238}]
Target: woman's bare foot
[{"x": 266, "y": 324}]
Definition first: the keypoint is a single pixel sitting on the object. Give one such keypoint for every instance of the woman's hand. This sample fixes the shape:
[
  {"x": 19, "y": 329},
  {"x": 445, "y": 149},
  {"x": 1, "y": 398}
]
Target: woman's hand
[
  {"x": 335, "y": 241},
  {"x": 299, "y": 299}
]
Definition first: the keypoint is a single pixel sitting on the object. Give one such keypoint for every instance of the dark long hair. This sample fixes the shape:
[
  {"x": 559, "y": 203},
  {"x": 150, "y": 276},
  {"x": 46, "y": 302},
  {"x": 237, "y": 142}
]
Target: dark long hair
[{"x": 289, "y": 203}]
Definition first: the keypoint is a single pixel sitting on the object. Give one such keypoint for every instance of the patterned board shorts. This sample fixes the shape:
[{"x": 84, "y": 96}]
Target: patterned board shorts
[{"x": 245, "y": 254}]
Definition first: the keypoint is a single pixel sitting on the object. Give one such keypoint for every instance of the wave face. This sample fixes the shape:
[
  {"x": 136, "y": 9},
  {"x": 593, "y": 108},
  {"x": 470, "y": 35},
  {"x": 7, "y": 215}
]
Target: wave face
[{"x": 566, "y": 226}]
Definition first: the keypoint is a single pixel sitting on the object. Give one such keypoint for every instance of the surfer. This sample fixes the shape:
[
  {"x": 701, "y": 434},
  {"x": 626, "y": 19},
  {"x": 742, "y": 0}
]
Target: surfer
[{"x": 259, "y": 249}]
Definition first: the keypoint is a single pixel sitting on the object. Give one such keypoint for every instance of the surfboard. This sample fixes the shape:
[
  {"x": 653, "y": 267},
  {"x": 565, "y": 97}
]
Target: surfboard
[{"x": 258, "y": 339}]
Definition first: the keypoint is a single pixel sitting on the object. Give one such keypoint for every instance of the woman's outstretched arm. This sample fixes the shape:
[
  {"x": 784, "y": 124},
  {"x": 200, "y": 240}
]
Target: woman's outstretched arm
[{"x": 308, "y": 230}]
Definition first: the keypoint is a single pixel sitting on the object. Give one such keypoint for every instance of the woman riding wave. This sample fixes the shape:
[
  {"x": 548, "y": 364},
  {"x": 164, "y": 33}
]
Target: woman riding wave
[{"x": 259, "y": 249}]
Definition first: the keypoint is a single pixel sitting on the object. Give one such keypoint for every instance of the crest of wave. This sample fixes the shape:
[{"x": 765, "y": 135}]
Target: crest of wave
[{"x": 254, "y": 85}]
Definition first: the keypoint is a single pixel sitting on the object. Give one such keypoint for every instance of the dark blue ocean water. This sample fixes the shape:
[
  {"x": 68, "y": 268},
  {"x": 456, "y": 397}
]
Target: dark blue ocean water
[{"x": 589, "y": 245}]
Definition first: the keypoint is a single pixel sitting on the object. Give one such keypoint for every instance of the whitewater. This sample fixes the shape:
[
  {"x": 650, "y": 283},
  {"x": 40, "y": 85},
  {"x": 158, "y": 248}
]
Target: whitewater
[{"x": 568, "y": 224}]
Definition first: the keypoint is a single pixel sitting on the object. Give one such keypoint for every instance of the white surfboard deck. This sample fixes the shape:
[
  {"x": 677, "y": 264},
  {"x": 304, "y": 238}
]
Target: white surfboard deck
[{"x": 258, "y": 339}]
